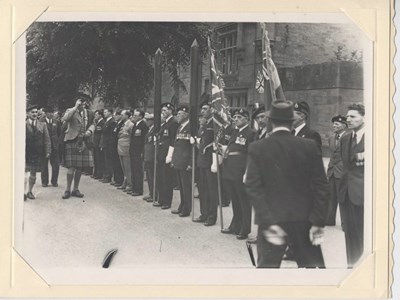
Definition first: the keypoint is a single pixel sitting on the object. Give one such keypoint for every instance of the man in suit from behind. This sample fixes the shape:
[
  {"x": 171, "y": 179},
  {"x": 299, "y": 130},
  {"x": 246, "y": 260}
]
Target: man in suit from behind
[
  {"x": 54, "y": 129},
  {"x": 287, "y": 184},
  {"x": 351, "y": 187},
  {"x": 335, "y": 167},
  {"x": 300, "y": 123},
  {"x": 78, "y": 156},
  {"x": 37, "y": 147}
]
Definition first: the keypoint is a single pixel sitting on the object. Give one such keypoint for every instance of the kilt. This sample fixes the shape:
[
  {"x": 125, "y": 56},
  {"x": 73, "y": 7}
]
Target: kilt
[
  {"x": 33, "y": 164},
  {"x": 73, "y": 158}
]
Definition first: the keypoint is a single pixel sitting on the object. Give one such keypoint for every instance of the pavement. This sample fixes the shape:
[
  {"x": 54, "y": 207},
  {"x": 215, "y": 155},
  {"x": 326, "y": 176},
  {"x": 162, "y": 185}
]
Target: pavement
[{"x": 78, "y": 232}]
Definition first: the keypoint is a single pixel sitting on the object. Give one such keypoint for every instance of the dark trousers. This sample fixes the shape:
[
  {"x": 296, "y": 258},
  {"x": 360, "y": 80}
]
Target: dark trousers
[
  {"x": 241, "y": 206},
  {"x": 55, "y": 168},
  {"x": 208, "y": 194},
  {"x": 167, "y": 179},
  {"x": 98, "y": 156},
  {"x": 184, "y": 179},
  {"x": 306, "y": 255},
  {"x": 137, "y": 173},
  {"x": 108, "y": 163},
  {"x": 117, "y": 168},
  {"x": 333, "y": 202},
  {"x": 353, "y": 222},
  {"x": 149, "y": 169}
]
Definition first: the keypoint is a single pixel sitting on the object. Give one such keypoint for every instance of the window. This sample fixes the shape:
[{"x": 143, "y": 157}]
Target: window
[
  {"x": 236, "y": 99},
  {"x": 227, "y": 60}
]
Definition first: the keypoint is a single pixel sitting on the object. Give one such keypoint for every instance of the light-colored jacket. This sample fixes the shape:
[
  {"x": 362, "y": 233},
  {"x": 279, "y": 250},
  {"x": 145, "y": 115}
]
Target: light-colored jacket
[
  {"x": 75, "y": 121},
  {"x": 124, "y": 138}
]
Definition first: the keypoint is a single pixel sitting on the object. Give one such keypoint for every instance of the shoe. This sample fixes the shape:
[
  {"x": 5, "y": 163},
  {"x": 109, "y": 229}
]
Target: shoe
[
  {"x": 129, "y": 192},
  {"x": 165, "y": 207},
  {"x": 117, "y": 185},
  {"x": 30, "y": 195},
  {"x": 66, "y": 195},
  {"x": 55, "y": 185},
  {"x": 199, "y": 220},
  {"x": 149, "y": 200},
  {"x": 242, "y": 236},
  {"x": 45, "y": 185},
  {"x": 92, "y": 176},
  {"x": 112, "y": 183},
  {"x": 106, "y": 181},
  {"x": 146, "y": 197},
  {"x": 175, "y": 211},
  {"x": 121, "y": 187},
  {"x": 182, "y": 215},
  {"x": 207, "y": 223},
  {"x": 156, "y": 204},
  {"x": 227, "y": 231},
  {"x": 77, "y": 193},
  {"x": 137, "y": 194}
]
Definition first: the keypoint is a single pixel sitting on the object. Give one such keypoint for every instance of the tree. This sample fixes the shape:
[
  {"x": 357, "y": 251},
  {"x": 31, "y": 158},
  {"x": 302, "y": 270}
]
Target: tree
[{"x": 110, "y": 60}]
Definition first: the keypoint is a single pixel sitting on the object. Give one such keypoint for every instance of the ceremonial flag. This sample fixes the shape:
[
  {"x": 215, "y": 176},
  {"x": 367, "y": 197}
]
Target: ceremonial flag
[
  {"x": 219, "y": 105},
  {"x": 272, "y": 83}
]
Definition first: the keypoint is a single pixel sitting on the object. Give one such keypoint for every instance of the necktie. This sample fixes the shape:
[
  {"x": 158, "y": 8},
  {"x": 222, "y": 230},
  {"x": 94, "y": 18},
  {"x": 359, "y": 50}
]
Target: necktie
[
  {"x": 337, "y": 139},
  {"x": 354, "y": 144}
]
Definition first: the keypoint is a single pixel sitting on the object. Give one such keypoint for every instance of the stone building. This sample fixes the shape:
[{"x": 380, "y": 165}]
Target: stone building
[{"x": 321, "y": 64}]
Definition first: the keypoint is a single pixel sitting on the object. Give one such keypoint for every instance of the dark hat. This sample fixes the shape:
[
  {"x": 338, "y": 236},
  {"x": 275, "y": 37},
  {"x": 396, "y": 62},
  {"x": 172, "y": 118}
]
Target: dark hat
[
  {"x": 183, "y": 108},
  {"x": 168, "y": 105},
  {"x": 48, "y": 109},
  {"x": 340, "y": 119},
  {"x": 258, "y": 111},
  {"x": 302, "y": 107},
  {"x": 241, "y": 111},
  {"x": 281, "y": 110},
  {"x": 31, "y": 107}
]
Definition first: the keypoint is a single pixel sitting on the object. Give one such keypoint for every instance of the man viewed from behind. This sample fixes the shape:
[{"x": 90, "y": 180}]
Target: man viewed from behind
[{"x": 286, "y": 182}]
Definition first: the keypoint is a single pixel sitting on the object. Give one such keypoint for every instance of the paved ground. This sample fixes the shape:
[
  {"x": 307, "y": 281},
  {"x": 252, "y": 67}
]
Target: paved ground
[{"x": 71, "y": 233}]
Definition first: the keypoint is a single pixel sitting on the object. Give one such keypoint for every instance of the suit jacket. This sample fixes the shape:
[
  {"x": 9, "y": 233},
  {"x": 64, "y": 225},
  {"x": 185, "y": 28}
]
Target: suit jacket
[
  {"x": 116, "y": 131},
  {"x": 54, "y": 130},
  {"x": 352, "y": 181},
  {"x": 106, "y": 140},
  {"x": 308, "y": 133},
  {"x": 37, "y": 141},
  {"x": 124, "y": 138},
  {"x": 206, "y": 135},
  {"x": 75, "y": 121},
  {"x": 182, "y": 157},
  {"x": 234, "y": 164},
  {"x": 98, "y": 131},
  {"x": 286, "y": 180},
  {"x": 166, "y": 138},
  {"x": 335, "y": 166},
  {"x": 138, "y": 135}
]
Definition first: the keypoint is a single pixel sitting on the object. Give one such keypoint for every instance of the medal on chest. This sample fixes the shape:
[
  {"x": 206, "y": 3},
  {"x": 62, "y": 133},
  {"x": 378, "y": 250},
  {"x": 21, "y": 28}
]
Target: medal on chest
[
  {"x": 241, "y": 140},
  {"x": 165, "y": 133},
  {"x": 138, "y": 132}
]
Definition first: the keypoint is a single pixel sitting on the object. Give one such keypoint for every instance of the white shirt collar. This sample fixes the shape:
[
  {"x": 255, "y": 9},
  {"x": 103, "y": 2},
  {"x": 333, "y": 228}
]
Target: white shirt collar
[
  {"x": 281, "y": 128},
  {"x": 360, "y": 134},
  {"x": 184, "y": 123},
  {"x": 166, "y": 120},
  {"x": 108, "y": 119},
  {"x": 298, "y": 128},
  {"x": 138, "y": 122},
  {"x": 241, "y": 129},
  {"x": 48, "y": 120}
]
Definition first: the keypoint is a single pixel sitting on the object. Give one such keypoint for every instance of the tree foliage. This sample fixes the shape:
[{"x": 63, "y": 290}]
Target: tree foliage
[{"x": 111, "y": 60}]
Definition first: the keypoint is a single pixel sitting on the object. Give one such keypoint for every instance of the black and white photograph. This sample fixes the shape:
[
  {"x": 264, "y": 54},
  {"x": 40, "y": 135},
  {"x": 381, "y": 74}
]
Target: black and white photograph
[{"x": 194, "y": 145}]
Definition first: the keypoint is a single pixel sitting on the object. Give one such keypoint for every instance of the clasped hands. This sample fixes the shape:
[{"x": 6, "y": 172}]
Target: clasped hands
[{"x": 277, "y": 236}]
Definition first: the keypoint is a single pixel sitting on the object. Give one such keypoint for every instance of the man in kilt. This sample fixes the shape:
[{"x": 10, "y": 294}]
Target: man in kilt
[
  {"x": 77, "y": 154},
  {"x": 37, "y": 147}
]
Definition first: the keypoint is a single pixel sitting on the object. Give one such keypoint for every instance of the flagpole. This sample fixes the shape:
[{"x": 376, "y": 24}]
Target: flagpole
[
  {"x": 193, "y": 100},
  {"x": 157, "y": 114}
]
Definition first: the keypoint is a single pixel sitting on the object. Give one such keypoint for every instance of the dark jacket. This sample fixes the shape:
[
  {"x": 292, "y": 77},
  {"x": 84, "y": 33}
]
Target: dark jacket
[
  {"x": 138, "y": 135},
  {"x": 166, "y": 138},
  {"x": 286, "y": 180},
  {"x": 308, "y": 133},
  {"x": 234, "y": 164},
  {"x": 98, "y": 131},
  {"x": 352, "y": 181},
  {"x": 335, "y": 166},
  {"x": 206, "y": 135},
  {"x": 37, "y": 141},
  {"x": 54, "y": 130},
  {"x": 182, "y": 157},
  {"x": 106, "y": 140}
]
